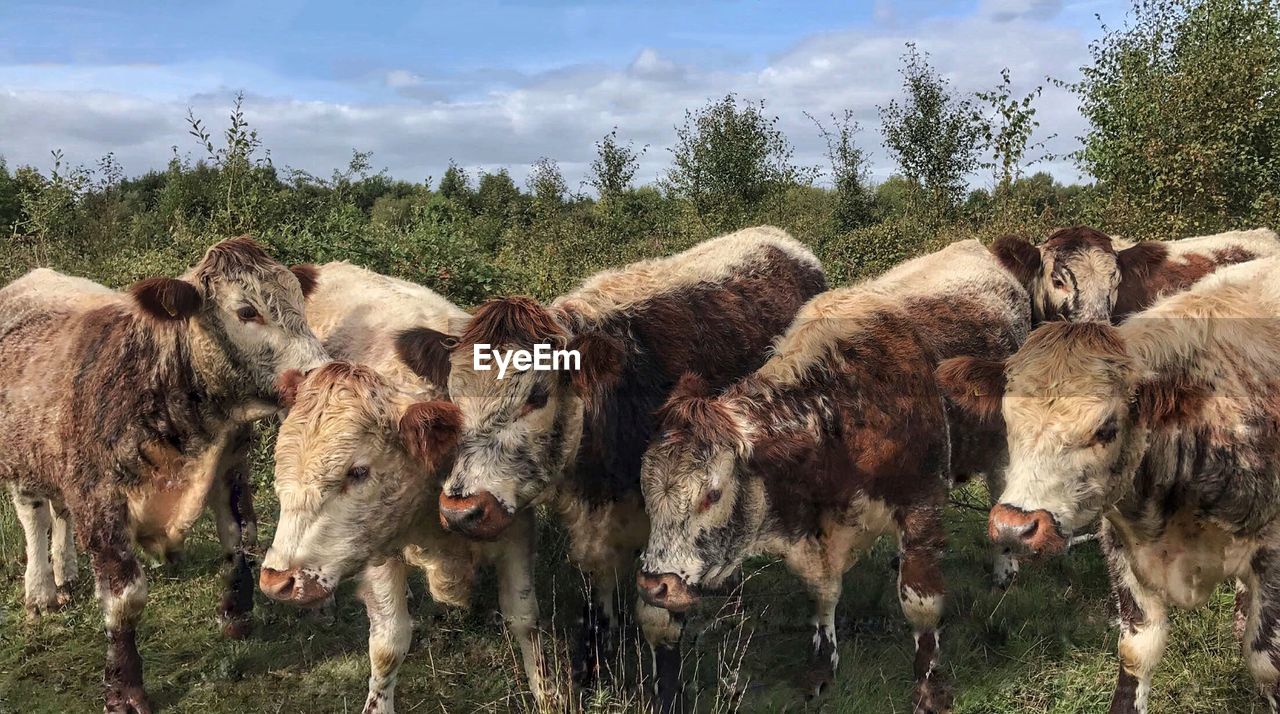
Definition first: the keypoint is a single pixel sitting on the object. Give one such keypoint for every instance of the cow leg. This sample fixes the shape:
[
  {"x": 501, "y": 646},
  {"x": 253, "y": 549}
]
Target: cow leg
[
  {"x": 65, "y": 567},
  {"x": 1143, "y": 630},
  {"x": 384, "y": 590},
  {"x": 40, "y": 591},
  {"x": 231, "y": 498},
  {"x": 921, "y": 593},
  {"x": 1240, "y": 619},
  {"x": 824, "y": 658},
  {"x": 1262, "y": 630},
  {"x": 122, "y": 591},
  {"x": 595, "y": 648},
  {"x": 662, "y": 630},
  {"x": 519, "y": 603}
]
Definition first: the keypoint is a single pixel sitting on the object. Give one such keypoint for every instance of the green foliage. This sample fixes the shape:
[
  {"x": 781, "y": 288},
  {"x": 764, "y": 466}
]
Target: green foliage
[
  {"x": 853, "y": 207},
  {"x": 930, "y": 132},
  {"x": 729, "y": 158},
  {"x": 1006, "y": 131},
  {"x": 1184, "y": 107},
  {"x": 614, "y": 167}
]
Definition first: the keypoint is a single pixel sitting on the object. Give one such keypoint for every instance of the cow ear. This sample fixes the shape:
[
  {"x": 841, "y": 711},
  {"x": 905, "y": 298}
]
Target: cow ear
[
  {"x": 1138, "y": 262},
  {"x": 975, "y": 385},
  {"x": 427, "y": 352},
  {"x": 780, "y": 450},
  {"x": 1019, "y": 257},
  {"x": 429, "y": 431},
  {"x": 1167, "y": 402},
  {"x": 308, "y": 277},
  {"x": 601, "y": 359},
  {"x": 287, "y": 388},
  {"x": 167, "y": 299}
]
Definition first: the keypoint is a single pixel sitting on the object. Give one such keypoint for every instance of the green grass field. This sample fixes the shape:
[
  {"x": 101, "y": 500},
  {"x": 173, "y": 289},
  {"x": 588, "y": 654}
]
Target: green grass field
[{"x": 1045, "y": 645}]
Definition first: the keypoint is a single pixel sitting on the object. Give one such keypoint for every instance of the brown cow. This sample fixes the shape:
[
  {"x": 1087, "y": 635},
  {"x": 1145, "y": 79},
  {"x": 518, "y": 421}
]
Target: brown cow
[
  {"x": 357, "y": 474},
  {"x": 573, "y": 438},
  {"x": 124, "y": 409},
  {"x": 1081, "y": 274},
  {"x": 1168, "y": 428},
  {"x": 841, "y": 437}
]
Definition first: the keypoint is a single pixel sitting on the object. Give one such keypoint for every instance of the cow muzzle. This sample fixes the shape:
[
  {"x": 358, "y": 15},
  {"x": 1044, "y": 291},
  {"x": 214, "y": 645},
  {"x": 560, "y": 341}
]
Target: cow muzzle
[
  {"x": 293, "y": 586},
  {"x": 1036, "y": 532},
  {"x": 480, "y": 516},
  {"x": 667, "y": 591}
]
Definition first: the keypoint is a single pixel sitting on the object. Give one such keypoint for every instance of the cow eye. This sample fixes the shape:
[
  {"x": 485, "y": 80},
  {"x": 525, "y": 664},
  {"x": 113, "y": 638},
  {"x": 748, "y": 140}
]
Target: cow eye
[
  {"x": 537, "y": 398},
  {"x": 1059, "y": 283},
  {"x": 711, "y": 498},
  {"x": 247, "y": 313},
  {"x": 358, "y": 474},
  {"x": 1105, "y": 434}
]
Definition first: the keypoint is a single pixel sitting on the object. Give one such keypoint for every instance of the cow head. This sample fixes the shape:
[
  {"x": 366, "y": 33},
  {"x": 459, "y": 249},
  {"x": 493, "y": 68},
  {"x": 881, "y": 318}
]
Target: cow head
[
  {"x": 704, "y": 510},
  {"x": 245, "y": 311},
  {"x": 519, "y": 429},
  {"x": 1068, "y": 400},
  {"x": 357, "y": 461},
  {"x": 1074, "y": 275}
]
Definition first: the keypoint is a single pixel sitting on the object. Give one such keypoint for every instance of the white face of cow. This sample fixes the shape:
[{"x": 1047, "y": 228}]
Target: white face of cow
[
  {"x": 356, "y": 464},
  {"x": 1068, "y": 410},
  {"x": 705, "y": 511},
  {"x": 1079, "y": 284},
  {"x": 248, "y": 312}
]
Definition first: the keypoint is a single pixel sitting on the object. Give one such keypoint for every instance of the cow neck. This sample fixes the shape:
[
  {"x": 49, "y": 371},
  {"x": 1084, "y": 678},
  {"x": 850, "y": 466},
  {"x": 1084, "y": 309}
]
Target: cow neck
[{"x": 214, "y": 374}]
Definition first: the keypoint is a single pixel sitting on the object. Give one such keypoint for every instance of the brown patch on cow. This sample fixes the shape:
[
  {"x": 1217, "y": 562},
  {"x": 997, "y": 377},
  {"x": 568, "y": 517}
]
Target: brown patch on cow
[
  {"x": 603, "y": 358},
  {"x": 1233, "y": 254},
  {"x": 1019, "y": 257},
  {"x": 518, "y": 321},
  {"x": 166, "y": 298},
  {"x": 1170, "y": 401},
  {"x": 693, "y": 411},
  {"x": 430, "y": 431},
  {"x": 426, "y": 352},
  {"x": 1147, "y": 272},
  {"x": 1045, "y": 537},
  {"x": 1078, "y": 239},
  {"x": 1059, "y": 340},
  {"x": 287, "y": 387},
  {"x": 308, "y": 276},
  {"x": 232, "y": 257},
  {"x": 975, "y": 385}
]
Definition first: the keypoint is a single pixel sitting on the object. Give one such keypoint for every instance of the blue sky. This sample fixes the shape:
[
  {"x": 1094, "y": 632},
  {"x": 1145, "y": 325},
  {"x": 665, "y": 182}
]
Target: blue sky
[{"x": 496, "y": 83}]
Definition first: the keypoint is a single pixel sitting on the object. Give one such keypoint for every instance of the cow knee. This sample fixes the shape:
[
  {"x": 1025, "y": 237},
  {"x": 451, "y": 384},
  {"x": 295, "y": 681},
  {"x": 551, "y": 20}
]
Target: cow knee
[{"x": 123, "y": 606}]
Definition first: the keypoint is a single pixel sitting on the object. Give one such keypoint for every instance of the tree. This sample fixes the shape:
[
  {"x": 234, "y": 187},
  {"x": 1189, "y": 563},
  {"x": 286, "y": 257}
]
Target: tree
[
  {"x": 848, "y": 171},
  {"x": 455, "y": 184},
  {"x": 615, "y": 165},
  {"x": 729, "y": 157},
  {"x": 1006, "y": 132},
  {"x": 1184, "y": 107},
  {"x": 10, "y": 205},
  {"x": 930, "y": 132},
  {"x": 546, "y": 183},
  {"x": 497, "y": 195}
]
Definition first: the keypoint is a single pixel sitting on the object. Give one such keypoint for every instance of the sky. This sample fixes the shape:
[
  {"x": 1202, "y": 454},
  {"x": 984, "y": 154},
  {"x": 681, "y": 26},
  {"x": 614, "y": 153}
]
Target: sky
[{"x": 493, "y": 84}]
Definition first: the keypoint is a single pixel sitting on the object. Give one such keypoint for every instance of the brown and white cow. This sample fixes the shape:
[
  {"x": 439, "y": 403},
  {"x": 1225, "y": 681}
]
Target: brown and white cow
[
  {"x": 841, "y": 437},
  {"x": 124, "y": 409},
  {"x": 1168, "y": 428},
  {"x": 359, "y": 462},
  {"x": 1081, "y": 274},
  {"x": 573, "y": 437}
]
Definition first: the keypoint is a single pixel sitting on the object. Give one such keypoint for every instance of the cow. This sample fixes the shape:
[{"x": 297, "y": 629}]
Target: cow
[
  {"x": 572, "y": 436},
  {"x": 123, "y": 410},
  {"x": 1167, "y": 427},
  {"x": 840, "y": 437},
  {"x": 1079, "y": 273},
  {"x": 359, "y": 461}
]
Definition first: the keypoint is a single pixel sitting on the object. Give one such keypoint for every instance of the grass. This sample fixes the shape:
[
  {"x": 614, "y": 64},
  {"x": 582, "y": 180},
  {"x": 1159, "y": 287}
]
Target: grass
[{"x": 1044, "y": 645}]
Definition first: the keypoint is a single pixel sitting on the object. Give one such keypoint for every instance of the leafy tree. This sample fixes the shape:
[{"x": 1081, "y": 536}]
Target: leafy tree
[
  {"x": 729, "y": 157},
  {"x": 1184, "y": 107},
  {"x": 930, "y": 132},
  {"x": 615, "y": 165},
  {"x": 246, "y": 177},
  {"x": 10, "y": 205},
  {"x": 455, "y": 184},
  {"x": 848, "y": 171},
  {"x": 497, "y": 195},
  {"x": 546, "y": 183},
  {"x": 1007, "y": 130}
]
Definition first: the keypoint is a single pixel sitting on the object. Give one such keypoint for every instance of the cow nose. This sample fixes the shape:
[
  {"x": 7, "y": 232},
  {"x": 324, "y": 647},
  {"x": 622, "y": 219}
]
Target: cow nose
[
  {"x": 277, "y": 584},
  {"x": 666, "y": 590},
  {"x": 479, "y": 516},
  {"x": 1035, "y": 531}
]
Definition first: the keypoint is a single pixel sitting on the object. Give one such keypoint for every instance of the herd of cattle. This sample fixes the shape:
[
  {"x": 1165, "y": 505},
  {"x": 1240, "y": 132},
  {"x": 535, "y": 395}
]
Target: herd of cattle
[{"x": 726, "y": 404}]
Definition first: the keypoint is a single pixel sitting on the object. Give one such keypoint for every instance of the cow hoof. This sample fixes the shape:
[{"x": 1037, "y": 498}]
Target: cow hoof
[
  {"x": 816, "y": 683},
  {"x": 932, "y": 698},
  {"x": 65, "y": 594},
  {"x": 39, "y": 606},
  {"x": 127, "y": 700},
  {"x": 237, "y": 628}
]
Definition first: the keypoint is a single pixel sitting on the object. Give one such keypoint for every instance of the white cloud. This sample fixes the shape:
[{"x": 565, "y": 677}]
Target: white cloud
[{"x": 414, "y": 123}]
